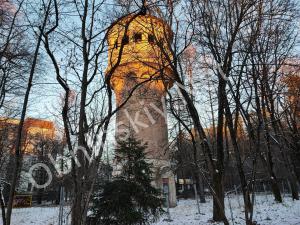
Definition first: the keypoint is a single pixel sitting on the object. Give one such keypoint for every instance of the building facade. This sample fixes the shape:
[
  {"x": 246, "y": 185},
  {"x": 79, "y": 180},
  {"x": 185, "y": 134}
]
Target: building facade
[{"x": 37, "y": 136}]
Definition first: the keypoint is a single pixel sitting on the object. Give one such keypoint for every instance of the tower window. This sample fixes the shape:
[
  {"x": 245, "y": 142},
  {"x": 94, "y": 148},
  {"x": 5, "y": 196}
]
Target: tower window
[
  {"x": 116, "y": 44},
  {"x": 137, "y": 37},
  {"x": 151, "y": 39},
  {"x": 125, "y": 40}
]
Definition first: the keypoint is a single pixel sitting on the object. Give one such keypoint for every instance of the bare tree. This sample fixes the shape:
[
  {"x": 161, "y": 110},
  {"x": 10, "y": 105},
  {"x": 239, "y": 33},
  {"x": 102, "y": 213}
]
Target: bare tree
[
  {"x": 18, "y": 153},
  {"x": 86, "y": 121}
]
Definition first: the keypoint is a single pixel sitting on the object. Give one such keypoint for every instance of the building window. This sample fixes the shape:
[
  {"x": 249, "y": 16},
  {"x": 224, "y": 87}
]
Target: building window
[
  {"x": 116, "y": 44},
  {"x": 151, "y": 39},
  {"x": 125, "y": 40},
  {"x": 137, "y": 37}
]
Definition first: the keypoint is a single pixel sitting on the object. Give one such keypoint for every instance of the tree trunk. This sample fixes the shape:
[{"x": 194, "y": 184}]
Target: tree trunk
[
  {"x": 206, "y": 148},
  {"x": 272, "y": 178},
  {"x": 237, "y": 154},
  {"x": 2, "y": 206},
  {"x": 269, "y": 164},
  {"x": 294, "y": 188},
  {"x": 200, "y": 188},
  {"x": 78, "y": 211},
  {"x": 18, "y": 147},
  {"x": 218, "y": 200},
  {"x": 218, "y": 212},
  {"x": 275, "y": 188}
]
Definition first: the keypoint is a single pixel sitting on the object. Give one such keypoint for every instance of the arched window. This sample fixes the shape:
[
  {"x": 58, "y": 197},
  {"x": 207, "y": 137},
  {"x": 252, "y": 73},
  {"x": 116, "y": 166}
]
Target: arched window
[
  {"x": 125, "y": 40},
  {"x": 151, "y": 39},
  {"x": 131, "y": 76},
  {"x": 116, "y": 44},
  {"x": 137, "y": 37}
]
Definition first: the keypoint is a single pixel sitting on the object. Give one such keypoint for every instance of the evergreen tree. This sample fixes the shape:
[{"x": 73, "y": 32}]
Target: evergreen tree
[{"x": 129, "y": 198}]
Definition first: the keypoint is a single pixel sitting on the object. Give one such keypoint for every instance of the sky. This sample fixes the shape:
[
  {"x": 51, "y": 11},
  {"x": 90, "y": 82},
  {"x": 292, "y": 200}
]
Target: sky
[{"x": 45, "y": 94}]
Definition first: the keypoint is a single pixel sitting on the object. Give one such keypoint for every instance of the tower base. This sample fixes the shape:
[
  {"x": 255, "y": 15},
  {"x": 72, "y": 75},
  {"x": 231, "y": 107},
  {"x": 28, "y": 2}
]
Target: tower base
[{"x": 163, "y": 176}]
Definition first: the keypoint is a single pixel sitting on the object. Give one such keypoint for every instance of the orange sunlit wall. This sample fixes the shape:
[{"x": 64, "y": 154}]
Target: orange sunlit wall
[
  {"x": 32, "y": 128},
  {"x": 291, "y": 78}
]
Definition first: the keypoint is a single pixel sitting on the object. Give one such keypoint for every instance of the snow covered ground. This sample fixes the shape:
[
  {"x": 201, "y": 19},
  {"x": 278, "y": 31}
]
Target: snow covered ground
[
  {"x": 35, "y": 216},
  {"x": 266, "y": 213}
]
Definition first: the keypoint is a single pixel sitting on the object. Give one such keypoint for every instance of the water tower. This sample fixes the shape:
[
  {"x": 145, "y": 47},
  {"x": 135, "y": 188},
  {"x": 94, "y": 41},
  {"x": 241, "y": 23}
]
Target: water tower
[{"x": 140, "y": 75}]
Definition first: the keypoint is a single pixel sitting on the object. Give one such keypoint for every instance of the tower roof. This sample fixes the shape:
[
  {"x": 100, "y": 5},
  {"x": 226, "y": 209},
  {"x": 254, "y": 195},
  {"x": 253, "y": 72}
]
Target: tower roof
[{"x": 142, "y": 15}]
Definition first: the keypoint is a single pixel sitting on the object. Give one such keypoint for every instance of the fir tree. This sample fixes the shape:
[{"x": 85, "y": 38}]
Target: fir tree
[{"x": 129, "y": 198}]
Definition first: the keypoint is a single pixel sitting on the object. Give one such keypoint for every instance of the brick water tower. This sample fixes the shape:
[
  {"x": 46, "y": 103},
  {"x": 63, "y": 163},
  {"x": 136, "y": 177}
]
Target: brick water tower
[{"x": 140, "y": 76}]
